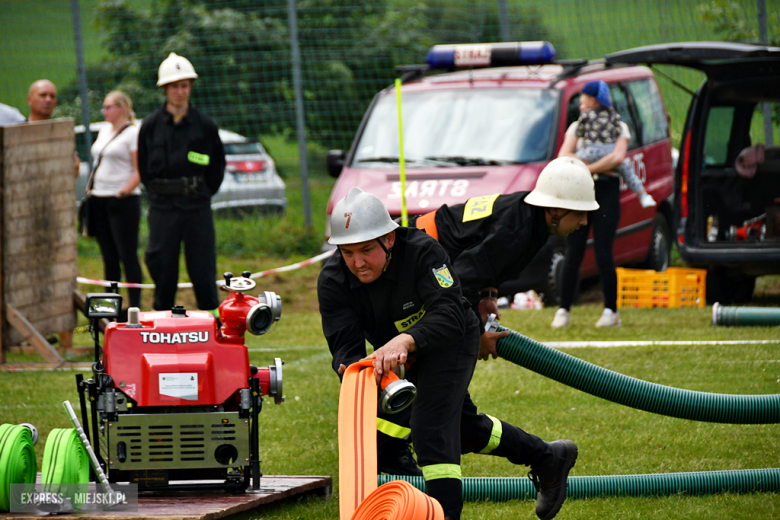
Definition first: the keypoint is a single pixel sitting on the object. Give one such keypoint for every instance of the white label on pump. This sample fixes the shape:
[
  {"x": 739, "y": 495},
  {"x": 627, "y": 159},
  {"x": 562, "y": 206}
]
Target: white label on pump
[{"x": 182, "y": 386}]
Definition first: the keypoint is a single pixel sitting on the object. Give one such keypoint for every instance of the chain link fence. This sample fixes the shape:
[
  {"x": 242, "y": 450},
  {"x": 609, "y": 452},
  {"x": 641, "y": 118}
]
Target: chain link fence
[{"x": 241, "y": 49}]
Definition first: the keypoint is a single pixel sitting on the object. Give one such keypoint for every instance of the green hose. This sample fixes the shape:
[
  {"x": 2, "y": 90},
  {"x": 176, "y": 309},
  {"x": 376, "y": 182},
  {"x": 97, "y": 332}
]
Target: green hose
[
  {"x": 745, "y": 316},
  {"x": 65, "y": 465},
  {"x": 658, "y": 484},
  {"x": 18, "y": 464},
  {"x": 636, "y": 393}
]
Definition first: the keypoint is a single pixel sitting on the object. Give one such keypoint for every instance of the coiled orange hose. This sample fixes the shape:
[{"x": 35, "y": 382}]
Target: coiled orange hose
[
  {"x": 359, "y": 497},
  {"x": 399, "y": 500}
]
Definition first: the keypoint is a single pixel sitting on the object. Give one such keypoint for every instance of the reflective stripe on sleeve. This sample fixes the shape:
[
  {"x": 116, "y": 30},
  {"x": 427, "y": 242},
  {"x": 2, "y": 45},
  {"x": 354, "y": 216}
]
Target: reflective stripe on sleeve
[
  {"x": 495, "y": 436},
  {"x": 392, "y": 429},
  {"x": 437, "y": 471}
]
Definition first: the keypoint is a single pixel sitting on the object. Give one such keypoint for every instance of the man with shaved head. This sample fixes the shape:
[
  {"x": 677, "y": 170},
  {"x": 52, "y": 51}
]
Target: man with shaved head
[{"x": 42, "y": 98}]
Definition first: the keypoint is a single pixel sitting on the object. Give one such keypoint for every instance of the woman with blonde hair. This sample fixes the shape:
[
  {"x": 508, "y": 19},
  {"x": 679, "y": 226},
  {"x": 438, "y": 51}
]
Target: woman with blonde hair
[{"x": 115, "y": 201}]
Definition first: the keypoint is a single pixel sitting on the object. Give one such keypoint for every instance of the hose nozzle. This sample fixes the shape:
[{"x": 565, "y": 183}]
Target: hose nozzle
[{"x": 397, "y": 394}]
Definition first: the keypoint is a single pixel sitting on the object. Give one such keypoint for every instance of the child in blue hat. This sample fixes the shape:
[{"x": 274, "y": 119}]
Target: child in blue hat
[{"x": 599, "y": 128}]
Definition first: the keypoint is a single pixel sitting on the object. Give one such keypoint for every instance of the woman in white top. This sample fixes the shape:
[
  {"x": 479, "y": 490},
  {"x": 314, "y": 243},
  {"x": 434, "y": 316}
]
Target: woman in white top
[
  {"x": 604, "y": 221},
  {"x": 115, "y": 204}
]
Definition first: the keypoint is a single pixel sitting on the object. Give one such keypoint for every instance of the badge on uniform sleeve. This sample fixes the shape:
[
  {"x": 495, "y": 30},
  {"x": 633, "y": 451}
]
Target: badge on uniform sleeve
[{"x": 443, "y": 276}]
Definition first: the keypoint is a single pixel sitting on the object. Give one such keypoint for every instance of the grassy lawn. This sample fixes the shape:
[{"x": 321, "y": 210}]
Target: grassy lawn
[{"x": 299, "y": 436}]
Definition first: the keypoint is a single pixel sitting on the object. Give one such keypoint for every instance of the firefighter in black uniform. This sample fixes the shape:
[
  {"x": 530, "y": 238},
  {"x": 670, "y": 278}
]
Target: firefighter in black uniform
[
  {"x": 395, "y": 288},
  {"x": 492, "y": 238},
  {"x": 182, "y": 164}
]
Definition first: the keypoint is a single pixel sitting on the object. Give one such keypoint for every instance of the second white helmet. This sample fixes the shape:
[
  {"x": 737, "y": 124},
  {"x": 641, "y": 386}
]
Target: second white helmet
[
  {"x": 175, "y": 68},
  {"x": 565, "y": 183},
  {"x": 358, "y": 217}
]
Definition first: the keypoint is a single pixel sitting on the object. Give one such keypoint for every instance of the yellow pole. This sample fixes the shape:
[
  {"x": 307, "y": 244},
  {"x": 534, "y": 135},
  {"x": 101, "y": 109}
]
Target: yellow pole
[{"x": 402, "y": 165}]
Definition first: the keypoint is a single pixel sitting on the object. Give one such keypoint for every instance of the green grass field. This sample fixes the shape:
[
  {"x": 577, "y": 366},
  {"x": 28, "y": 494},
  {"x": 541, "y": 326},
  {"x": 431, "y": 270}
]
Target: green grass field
[{"x": 299, "y": 436}]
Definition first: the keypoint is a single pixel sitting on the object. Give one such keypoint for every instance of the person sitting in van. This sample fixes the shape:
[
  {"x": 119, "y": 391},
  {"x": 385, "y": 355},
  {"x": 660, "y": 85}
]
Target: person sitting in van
[{"x": 599, "y": 128}]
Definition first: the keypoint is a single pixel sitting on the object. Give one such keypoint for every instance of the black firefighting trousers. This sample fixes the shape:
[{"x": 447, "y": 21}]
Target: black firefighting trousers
[
  {"x": 168, "y": 228},
  {"x": 445, "y": 423}
]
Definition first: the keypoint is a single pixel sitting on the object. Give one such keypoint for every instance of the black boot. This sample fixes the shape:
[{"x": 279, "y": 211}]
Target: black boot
[
  {"x": 398, "y": 461},
  {"x": 550, "y": 479}
]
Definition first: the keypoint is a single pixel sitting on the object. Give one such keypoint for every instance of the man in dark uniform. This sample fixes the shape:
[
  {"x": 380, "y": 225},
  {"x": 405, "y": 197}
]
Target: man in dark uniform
[
  {"x": 182, "y": 164},
  {"x": 394, "y": 287},
  {"x": 492, "y": 238}
]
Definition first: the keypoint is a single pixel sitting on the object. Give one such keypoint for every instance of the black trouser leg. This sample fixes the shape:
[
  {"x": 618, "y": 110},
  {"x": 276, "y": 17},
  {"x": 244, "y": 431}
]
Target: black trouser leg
[
  {"x": 575, "y": 250},
  {"x": 442, "y": 379},
  {"x": 200, "y": 256},
  {"x": 162, "y": 255},
  {"x": 100, "y": 222},
  {"x": 124, "y": 217},
  {"x": 605, "y": 222},
  {"x": 605, "y": 225},
  {"x": 484, "y": 434},
  {"x": 393, "y": 433}
]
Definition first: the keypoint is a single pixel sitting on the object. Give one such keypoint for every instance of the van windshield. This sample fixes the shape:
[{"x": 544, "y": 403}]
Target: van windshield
[{"x": 460, "y": 127}]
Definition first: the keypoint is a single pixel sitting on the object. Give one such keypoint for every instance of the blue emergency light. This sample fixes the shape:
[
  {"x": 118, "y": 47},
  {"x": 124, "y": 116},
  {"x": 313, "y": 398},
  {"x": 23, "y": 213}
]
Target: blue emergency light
[{"x": 474, "y": 55}]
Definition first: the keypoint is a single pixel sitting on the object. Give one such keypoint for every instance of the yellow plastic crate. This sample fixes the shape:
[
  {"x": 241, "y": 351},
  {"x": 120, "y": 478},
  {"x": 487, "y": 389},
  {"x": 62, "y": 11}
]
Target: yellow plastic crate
[{"x": 675, "y": 287}]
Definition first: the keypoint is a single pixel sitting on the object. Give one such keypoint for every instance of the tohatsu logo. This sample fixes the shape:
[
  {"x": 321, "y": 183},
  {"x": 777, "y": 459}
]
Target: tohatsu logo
[{"x": 175, "y": 337}]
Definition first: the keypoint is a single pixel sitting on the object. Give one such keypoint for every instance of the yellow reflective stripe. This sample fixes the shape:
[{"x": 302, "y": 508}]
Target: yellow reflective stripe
[
  {"x": 199, "y": 158},
  {"x": 436, "y": 471},
  {"x": 406, "y": 323},
  {"x": 392, "y": 429},
  {"x": 479, "y": 207},
  {"x": 495, "y": 436}
]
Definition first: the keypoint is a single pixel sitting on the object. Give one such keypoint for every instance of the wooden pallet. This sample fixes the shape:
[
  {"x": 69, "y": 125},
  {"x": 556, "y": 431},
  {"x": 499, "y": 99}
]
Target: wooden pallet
[{"x": 211, "y": 505}]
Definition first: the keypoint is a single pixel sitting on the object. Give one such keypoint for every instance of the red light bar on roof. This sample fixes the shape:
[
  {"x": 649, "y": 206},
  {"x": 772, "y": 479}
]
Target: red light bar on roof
[{"x": 490, "y": 54}]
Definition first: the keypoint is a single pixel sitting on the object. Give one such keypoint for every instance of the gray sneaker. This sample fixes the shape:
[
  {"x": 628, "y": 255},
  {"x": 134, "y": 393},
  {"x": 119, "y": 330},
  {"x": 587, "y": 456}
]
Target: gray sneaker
[{"x": 561, "y": 319}]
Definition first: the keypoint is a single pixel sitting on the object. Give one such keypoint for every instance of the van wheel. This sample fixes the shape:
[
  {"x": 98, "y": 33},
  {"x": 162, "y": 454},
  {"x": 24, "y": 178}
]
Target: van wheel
[
  {"x": 726, "y": 287},
  {"x": 554, "y": 279},
  {"x": 659, "y": 255}
]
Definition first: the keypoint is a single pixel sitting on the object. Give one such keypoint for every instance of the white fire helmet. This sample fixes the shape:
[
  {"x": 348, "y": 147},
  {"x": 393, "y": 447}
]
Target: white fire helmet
[
  {"x": 175, "y": 68},
  {"x": 565, "y": 183},
  {"x": 359, "y": 217}
]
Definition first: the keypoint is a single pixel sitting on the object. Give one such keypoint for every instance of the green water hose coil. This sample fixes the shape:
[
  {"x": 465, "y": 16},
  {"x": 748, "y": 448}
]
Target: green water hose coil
[
  {"x": 658, "y": 484},
  {"x": 636, "y": 393},
  {"x": 65, "y": 467},
  {"x": 18, "y": 464},
  {"x": 745, "y": 316}
]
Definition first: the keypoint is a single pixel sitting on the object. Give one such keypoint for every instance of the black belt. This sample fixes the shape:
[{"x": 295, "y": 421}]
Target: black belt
[{"x": 178, "y": 186}]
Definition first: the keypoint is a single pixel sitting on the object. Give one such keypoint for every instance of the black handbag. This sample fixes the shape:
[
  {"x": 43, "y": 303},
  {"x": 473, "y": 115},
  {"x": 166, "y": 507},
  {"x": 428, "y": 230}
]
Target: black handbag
[{"x": 85, "y": 228}]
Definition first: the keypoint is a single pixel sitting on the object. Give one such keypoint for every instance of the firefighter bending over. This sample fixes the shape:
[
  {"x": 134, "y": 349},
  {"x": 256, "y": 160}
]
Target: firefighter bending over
[{"x": 395, "y": 288}]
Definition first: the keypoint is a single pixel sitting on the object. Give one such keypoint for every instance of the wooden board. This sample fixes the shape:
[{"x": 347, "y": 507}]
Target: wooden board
[
  {"x": 38, "y": 239},
  {"x": 211, "y": 506}
]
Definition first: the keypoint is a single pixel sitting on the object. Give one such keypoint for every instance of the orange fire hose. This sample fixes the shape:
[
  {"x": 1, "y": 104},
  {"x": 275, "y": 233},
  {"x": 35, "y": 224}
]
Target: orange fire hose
[
  {"x": 399, "y": 500},
  {"x": 359, "y": 498}
]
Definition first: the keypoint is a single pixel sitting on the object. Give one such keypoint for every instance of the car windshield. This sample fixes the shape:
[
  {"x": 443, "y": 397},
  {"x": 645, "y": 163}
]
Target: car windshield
[
  {"x": 243, "y": 148},
  {"x": 460, "y": 127}
]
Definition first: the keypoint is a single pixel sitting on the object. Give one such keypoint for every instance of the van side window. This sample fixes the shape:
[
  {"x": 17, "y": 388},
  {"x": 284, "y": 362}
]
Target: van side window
[
  {"x": 650, "y": 109},
  {"x": 622, "y": 104},
  {"x": 717, "y": 136}
]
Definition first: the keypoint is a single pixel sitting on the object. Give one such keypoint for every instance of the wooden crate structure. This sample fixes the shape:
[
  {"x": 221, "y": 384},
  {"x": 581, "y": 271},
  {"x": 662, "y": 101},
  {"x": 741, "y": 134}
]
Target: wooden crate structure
[{"x": 38, "y": 242}]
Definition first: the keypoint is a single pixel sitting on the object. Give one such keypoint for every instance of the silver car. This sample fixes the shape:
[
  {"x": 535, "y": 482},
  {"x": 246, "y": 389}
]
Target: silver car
[{"x": 251, "y": 179}]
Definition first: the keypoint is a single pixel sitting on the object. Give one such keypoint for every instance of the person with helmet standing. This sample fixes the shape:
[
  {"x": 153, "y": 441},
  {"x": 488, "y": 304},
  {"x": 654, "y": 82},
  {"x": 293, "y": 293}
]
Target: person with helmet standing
[
  {"x": 182, "y": 163},
  {"x": 395, "y": 288}
]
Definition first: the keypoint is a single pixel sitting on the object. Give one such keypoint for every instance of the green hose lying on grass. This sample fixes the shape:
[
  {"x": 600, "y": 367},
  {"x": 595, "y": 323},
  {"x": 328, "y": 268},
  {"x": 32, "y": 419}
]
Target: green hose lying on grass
[
  {"x": 636, "y": 393},
  {"x": 65, "y": 467},
  {"x": 18, "y": 464},
  {"x": 659, "y": 484}
]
